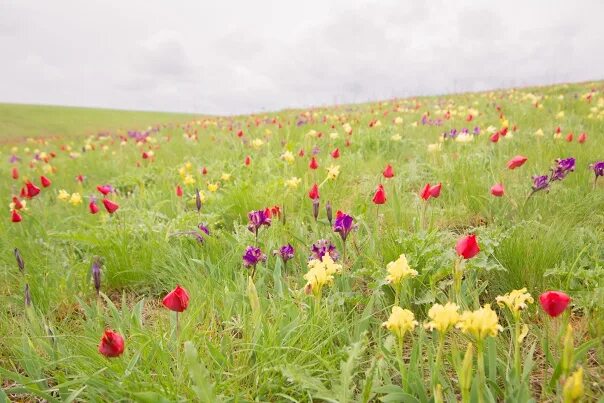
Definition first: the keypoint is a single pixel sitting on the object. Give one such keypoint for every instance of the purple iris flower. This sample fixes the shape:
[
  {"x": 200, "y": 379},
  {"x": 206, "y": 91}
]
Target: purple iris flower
[
  {"x": 204, "y": 228},
  {"x": 598, "y": 168},
  {"x": 286, "y": 252},
  {"x": 13, "y": 158},
  {"x": 343, "y": 224},
  {"x": 315, "y": 150},
  {"x": 476, "y": 130},
  {"x": 540, "y": 182},
  {"x": 562, "y": 168},
  {"x": 323, "y": 247},
  {"x": 257, "y": 219},
  {"x": 253, "y": 256}
]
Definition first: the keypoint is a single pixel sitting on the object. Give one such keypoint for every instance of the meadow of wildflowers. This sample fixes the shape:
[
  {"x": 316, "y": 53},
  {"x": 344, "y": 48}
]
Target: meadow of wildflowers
[{"x": 415, "y": 250}]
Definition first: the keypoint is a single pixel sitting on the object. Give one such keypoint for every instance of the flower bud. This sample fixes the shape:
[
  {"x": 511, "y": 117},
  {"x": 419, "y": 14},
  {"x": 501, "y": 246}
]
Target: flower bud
[
  {"x": 96, "y": 274},
  {"x": 315, "y": 208},
  {"x": 329, "y": 212},
  {"x": 20, "y": 261},
  {"x": 27, "y": 297},
  {"x": 197, "y": 200},
  {"x": 568, "y": 350}
]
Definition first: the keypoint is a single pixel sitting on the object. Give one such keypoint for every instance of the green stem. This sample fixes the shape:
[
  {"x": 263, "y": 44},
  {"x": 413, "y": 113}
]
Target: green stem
[
  {"x": 439, "y": 353},
  {"x": 517, "y": 346},
  {"x": 401, "y": 363},
  {"x": 482, "y": 379}
]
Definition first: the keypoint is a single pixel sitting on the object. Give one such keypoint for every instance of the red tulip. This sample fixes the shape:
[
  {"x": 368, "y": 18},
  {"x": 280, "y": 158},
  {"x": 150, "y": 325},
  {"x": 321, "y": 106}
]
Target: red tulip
[
  {"x": 17, "y": 203},
  {"x": 32, "y": 190},
  {"x": 569, "y": 137},
  {"x": 92, "y": 206},
  {"x": 15, "y": 173},
  {"x": 467, "y": 247},
  {"x": 435, "y": 190},
  {"x": 425, "y": 194},
  {"x": 388, "y": 172},
  {"x": 497, "y": 190},
  {"x": 582, "y": 138},
  {"x": 80, "y": 178},
  {"x": 177, "y": 300},
  {"x": 204, "y": 171},
  {"x": 45, "y": 181},
  {"x": 145, "y": 155},
  {"x": 554, "y": 302},
  {"x": 248, "y": 160},
  {"x": 104, "y": 189},
  {"x": 313, "y": 163},
  {"x": 110, "y": 206},
  {"x": 469, "y": 117},
  {"x": 516, "y": 162},
  {"x": 112, "y": 344},
  {"x": 15, "y": 216},
  {"x": 494, "y": 137},
  {"x": 335, "y": 154},
  {"x": 240, "y": 133},
  {"x": 380, "y": 195},
  {"x": 178, "y": 191},
  {"x": 314, "y": 192},
  {"x": 301, "y": 153}
]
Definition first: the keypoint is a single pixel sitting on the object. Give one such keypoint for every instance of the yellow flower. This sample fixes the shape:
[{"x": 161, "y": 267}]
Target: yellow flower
[
  {"x": 334, "y": 135},
  {"x": 347, "y": 128},
  {"x": 443, "y": 317},
  {"x": 312, "y": 133},
  {"x": 63, "y": 195},
  {"x": 333, "y": 172},
  {"x": 293, "y": 182},
  {"x": 539, "y": 132},
  {"x": 320, "y": 273},
  {"x": 212, "y": 187},
  {"x": 464, "y": 138},
  {"x": 573, "y": 387},
  {"x": 257, "y": 143},
  {"x": 75, "y": 199},
  {"x": 560, "y": 115},
  {"x": 515, "y": 300},
  {"x": 399, "y": 270},
  {"x": 480, "y": 323},
  {"x": 398, "y": 120},
  {"x": 225, "y": 177},
  {"x": 189, "y": 180},
  {"x": 396, "y": 137},
  {"x": 11, "y": 206},
  {"x": 288, "y": 157},
  {"x": 182, "y": 171},
  {"x": 48, "y": 169},
  {"x": 400, "y": 321}
]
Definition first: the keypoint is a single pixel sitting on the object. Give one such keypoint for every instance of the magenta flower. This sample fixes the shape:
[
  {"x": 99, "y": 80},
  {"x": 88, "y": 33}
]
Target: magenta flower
[
  {"x": 253, "y": 256},
  {"x": 540, "y": 182},
  {"x": 343, "y": 224},
  {"x": 258, "y": 219},
  {"x": 286, "y": 252},
  {"x": 323, "y": 247},
  {"x": 562, "y": 168},
  {"x": 598, "y": 168}
]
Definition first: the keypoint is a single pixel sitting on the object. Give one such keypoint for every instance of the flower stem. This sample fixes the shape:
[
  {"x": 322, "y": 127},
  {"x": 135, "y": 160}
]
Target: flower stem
[
  {"x": 439, "y": 353},
  {"x": 401, "y": 363},
  {"x": 481, "y": 372},
  {"x": 517, "y": 366}
]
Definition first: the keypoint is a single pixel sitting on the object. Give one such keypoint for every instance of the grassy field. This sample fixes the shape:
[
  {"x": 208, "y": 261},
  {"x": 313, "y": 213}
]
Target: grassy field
[
  {"x": 305, "y": 330},
  {"x": 18, "y": 122}
]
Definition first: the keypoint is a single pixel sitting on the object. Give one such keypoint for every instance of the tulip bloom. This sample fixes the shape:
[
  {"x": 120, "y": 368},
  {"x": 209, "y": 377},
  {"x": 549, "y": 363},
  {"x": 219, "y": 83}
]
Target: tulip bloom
[
  {"x": 32, "y": 190},
  {"x": 388, "y": 172},
  {"x": 467, "y": 247},
  {"x": 314, "y": 192},
  {"x": 313, "y": 163},
  {"x": 93, "y": 207},
  {"x": 17, "y": 204},
  {"x": 598, "y": 168},
  {"x": 110, "y": 206},
  {"x": 554, "y": 302},
  {"x": 45, "y": 181},
  {"x": 380, "y": 195},
  {"x": 582, "y": 138},
  {"x": 15, "y": 216},
  {"x": 431, "y": 191},
  {"x": 178, "y": 191},
  {"x": 516, "y": 162},
  {"x": 497, "y": 190},
  {"x": 248, "y": 160},
  {"x": 177, "y": 300},
  {"x": 335, "y": 154},
  {"x": 112, "y": 344},
  {"x": 104, "y": 189},
  {"x": 15, "y": 173},
  {"x": 569, "y": 137}
]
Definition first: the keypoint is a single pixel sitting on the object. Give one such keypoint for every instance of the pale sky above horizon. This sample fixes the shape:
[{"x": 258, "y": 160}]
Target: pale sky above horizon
[{"x": 229, "y": 57}]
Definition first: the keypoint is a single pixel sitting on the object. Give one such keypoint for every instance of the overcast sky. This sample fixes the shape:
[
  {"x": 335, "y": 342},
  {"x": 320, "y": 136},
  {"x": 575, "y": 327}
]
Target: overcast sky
[{"x": 242, "y": 56}]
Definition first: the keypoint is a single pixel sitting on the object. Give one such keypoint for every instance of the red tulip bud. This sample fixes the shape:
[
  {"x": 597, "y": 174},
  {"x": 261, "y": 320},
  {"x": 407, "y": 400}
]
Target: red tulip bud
[
  {"x": 380, "y": 195},
  {"x": 314, "y": 192},
  {"x": 15, "y": 173},
  {"x": 554, "y": 302},
  {"x": 467, "y": 247},
  {"x": 45, "y": 181},
  {"x": 32, "y": 190},
  {"x": 497, "y": 190},
  {"x": 177, "y": 300},
  {"x": 112, "y": 344},
  {"x": 110, "y": 206},
  {"x": 335, "y": 153},
  {"x": 15, "y": 216},
  {"x": 93, "y": 207},
  {"x": 178, "y": 191},
  {"x": 313, "y": 163},
  {"x": 388, "y": 172},
  {"x": 516, "y": 162}
]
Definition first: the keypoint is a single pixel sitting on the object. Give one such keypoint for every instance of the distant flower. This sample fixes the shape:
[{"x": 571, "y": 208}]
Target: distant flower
[
  {"x": 497, "y": 190},
  {"x": 554, "y": 302},
  {"x": 247, "y": 161},
  {"x": 313, "y": 163},
  {"x": 198, "y": 200},
  {"x": 540, "y": 182},
  {"x": 110, "y": 206},
  {"x": 333, "y": 172},
  {"x": 178, "y": 191},
  {"x": 63, "y": 195},
  {"x": 177, "y": 300},
  {"x": 288, "y": 157},
  {"x": 314, "y": 192},
  {"x": 112, "y": 344},
  {"x": 431, "y": 191},
  {"x": 45, "y": 181},
  {"x": 582, "y": 138},
  {"x": 467, "y": 247},
  {"x": 104, "y": 189},
  {"x": 343, "y": 224},
  {"x": 515, "y": 300},
  {"x": 380, "y": 195},
  {"x": 93, "y": 207},
  {"x": 32, "y": 190},
  {"x": 293, "y": 182},
  {"x": 480, "y": 323},
  {"x": 225, "y": 177},
  {"x": 212, "y": 187},
  {"x": 75, "y": 199},
  {"x": 388, "y": 172},
  {"x": 257, "y": 219},
  {"x": 562, "y": 168},
  {"x": 257, "y": 143},
  {"x": 19, "y": 259},
  {"x": 324, "y": 247},
  {"x": 400, "y": 322},
  {"x": 253, "y": 256},
  {"x": 286, "y": 252},
  {"x": 328, "y": 212},
  {"x": 15, "y": 216},
  {"x": 516, "y": 162},
  {"x": 188, "y": 180},
  {"x": 335, "y": 154},
  {"x": 598, "y": 168},
  {"x": 15, "y": 173},
  {"x": 96, "y": 274},
  {"x": 442, "y": 317}
]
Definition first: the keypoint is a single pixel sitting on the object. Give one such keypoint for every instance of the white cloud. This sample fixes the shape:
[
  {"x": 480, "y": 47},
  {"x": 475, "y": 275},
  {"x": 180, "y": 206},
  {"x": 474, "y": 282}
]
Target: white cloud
[{"x": 236, "y": 56}]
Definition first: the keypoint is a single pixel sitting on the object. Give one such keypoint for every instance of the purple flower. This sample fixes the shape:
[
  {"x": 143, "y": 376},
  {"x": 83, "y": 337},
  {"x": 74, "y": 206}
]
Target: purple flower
[
  {"x": 343, "y": 224},
  {"x": 258, "y": 219},
  {"x": 315, "y": 150},
  {"x": 476, "y": 130},
  {"x": 562, "y": 168},
  {"x": 540, "y": 182},
  {"x": 203, "y": 228},
  {"x": 598, "y": 168},
  {"x": 253, "y": 256},
  {"x": 20, "y": 261},
  {"x": 96, "y": 274},
  {"x": 14, "y": 159},
  {"x": 323, "y": 247},
  {"x": 286, "y": 252}
]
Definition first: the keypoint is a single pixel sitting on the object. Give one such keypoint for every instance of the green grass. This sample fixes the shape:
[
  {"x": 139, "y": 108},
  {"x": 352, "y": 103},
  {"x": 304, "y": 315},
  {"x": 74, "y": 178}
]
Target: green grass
[
  {"x": 268, "y": 340},
  {"x": 20, "y": 121}
]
